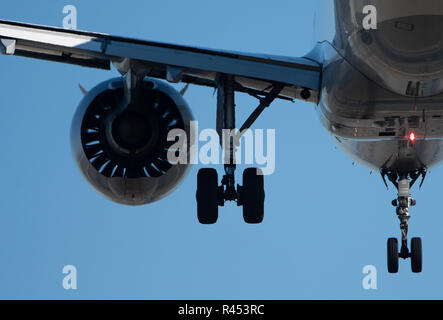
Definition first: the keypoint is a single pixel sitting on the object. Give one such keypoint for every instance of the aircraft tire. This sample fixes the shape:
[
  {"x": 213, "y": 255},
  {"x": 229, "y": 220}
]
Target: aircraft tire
[
  {"x": 392, "y": 255},
  {"x": 207, "y": 196},
  {"x": 253, "y": 196},
  {"x": 416, "y": 255}
]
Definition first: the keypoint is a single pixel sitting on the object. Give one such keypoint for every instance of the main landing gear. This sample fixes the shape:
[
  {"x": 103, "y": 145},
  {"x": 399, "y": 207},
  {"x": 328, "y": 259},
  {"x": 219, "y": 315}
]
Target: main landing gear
[
  {"x": 210, "y": 196},
  {"x": 403, "y": 183},
  {"x": 251, "y": 195}
]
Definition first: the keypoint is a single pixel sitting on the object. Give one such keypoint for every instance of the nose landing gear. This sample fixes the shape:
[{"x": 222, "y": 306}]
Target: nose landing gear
[{"x": 403, "y": 203}]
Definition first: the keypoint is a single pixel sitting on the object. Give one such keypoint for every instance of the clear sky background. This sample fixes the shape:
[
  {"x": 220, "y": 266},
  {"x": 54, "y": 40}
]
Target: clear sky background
[{"x": 325, "y": 218}]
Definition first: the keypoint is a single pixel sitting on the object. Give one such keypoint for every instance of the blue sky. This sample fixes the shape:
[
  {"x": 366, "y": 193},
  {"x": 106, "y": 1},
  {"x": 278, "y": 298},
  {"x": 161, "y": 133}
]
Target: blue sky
[{"x": 325, "y": 218}]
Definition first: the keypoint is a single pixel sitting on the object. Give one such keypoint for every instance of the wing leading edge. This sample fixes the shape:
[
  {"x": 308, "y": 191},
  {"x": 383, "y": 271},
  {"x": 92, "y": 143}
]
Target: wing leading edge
[{"x": 254, "y": 73}]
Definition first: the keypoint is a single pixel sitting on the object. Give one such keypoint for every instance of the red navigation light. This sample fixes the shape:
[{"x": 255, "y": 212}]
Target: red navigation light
[{"x": 412, "y": 137}]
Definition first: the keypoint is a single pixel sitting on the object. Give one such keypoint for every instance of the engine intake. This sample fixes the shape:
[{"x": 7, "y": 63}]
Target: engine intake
[{"x": 122, "y": 150}]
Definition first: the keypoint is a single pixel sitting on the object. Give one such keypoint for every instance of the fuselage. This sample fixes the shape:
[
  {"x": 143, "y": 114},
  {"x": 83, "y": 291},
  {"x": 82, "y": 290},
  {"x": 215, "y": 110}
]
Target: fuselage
[{"x": 380, "y": 85}]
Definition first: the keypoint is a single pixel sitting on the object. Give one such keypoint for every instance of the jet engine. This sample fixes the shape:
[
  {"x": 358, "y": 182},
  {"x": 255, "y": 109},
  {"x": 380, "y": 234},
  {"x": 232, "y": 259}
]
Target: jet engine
[{"x": 122, "y": 148}]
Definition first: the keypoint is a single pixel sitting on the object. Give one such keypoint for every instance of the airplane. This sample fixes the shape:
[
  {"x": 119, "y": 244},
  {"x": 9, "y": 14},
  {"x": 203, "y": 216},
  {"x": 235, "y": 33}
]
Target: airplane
[{"x": 377, "y": 87}]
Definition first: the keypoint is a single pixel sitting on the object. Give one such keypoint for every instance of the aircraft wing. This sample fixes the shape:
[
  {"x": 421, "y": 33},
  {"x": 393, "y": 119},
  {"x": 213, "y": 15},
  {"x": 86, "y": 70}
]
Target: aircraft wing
[{"x": 254, "y": 73}]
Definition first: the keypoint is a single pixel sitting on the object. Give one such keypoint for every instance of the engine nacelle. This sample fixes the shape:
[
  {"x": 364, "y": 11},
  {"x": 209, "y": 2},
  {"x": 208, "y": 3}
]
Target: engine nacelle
[{"x": 123, "y": 150}]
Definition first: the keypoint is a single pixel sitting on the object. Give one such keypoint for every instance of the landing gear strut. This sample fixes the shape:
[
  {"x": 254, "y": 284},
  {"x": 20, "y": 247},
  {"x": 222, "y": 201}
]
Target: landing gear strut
[
  {"x": 403, "y": 183},
  {"x": 251, "y": 195}
]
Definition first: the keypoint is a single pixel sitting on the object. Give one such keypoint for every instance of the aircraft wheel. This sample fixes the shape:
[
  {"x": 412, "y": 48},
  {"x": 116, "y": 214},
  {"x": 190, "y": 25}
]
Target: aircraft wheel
[
  {"x": 207, "y": 196},
  {"x": 253, "y": 196},
  {"x": 392, "y": 255},
  {"x": 416, "y": 255}
]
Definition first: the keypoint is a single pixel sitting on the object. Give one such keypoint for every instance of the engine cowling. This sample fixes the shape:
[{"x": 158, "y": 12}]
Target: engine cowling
[{"x": 122, "y": 151}]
